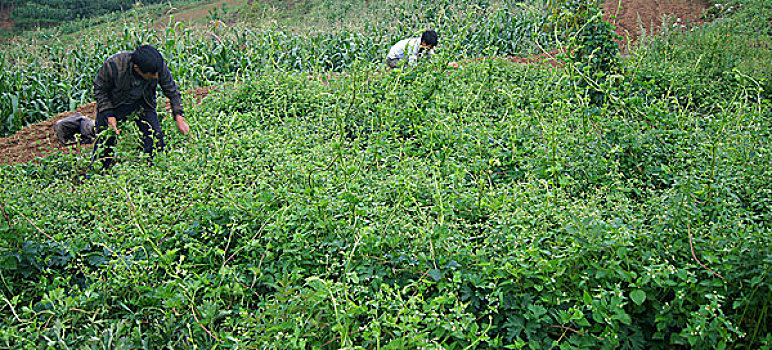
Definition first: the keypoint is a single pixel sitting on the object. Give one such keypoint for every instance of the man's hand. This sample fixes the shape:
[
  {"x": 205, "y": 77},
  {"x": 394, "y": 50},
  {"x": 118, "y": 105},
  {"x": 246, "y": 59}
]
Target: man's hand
[
  {"x": 113, "y": 124},
  {"x": 182, "y": 126}
]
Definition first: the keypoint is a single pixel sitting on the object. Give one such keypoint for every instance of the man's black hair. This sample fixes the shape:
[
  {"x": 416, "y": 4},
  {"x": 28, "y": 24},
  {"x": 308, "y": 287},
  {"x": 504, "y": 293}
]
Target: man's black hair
[
  {"x": 148, "y": 59},
  {"x": 429, "y": 37}
]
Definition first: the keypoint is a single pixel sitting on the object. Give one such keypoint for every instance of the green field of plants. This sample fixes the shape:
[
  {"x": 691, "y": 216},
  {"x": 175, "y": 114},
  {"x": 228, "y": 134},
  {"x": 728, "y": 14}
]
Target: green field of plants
[
  {"x": 51, "y": 73},
  {"x": 619, "y": 200}
]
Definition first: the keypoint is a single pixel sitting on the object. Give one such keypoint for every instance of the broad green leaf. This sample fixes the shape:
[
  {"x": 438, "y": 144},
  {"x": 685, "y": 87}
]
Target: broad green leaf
[
  {"x": 436, "y": 274},
  {"x": 638, "y": 296}
]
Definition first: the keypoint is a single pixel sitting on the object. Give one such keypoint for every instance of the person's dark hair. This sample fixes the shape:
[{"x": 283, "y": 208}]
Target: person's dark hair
[
  {"x": 429, "y": 37},
  {"x": 148, "y": 59}
]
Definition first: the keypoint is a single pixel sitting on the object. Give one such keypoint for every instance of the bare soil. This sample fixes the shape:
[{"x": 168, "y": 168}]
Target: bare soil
[
  {"x": 638, "y": 17},
  {"x": 197, "y": 12}
]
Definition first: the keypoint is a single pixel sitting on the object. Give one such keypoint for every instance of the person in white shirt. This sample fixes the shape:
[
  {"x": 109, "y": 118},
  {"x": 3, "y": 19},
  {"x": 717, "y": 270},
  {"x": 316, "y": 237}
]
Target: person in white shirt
[{"x": 407, "y": 51}]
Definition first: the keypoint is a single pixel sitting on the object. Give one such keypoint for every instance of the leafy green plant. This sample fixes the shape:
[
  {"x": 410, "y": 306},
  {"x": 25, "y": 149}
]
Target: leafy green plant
[{"x": 490, "y": 206}]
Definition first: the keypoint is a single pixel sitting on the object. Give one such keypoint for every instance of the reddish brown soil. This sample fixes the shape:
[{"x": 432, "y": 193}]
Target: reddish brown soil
[
  {"x": 547, "y": 58},
  {"x": 39, "y": 140},
  {"x": 542, "y": 59},
  {"x": 196, "y": 12},
  {"x": 637, "y": 17}
]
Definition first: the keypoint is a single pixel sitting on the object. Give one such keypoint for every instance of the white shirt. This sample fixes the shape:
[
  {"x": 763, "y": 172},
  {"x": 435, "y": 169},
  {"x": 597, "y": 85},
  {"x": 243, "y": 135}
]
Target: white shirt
[{"x": 409, "y": 47}]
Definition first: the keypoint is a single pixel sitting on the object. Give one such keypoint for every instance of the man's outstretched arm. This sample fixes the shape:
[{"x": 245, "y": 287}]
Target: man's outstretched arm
[{"x": 170, "y": 90}]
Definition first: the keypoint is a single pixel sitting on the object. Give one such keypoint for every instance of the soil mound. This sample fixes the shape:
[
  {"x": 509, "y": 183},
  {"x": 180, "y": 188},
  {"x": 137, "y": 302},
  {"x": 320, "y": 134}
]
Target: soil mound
[{"x": 39, "y": 140}]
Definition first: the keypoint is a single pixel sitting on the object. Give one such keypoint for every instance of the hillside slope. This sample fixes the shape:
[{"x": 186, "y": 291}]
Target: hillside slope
[
  {"x": 607, "y": 202},
  {"x": 38, "y": 140}
]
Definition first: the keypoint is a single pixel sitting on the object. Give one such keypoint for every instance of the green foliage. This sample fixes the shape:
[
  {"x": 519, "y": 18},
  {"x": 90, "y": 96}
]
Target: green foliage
[
  {"x": 491, "y": 206},
  {"x": 50, "y": 78},
  {"x": 594, "y": 45},
  {"x": 31, "y": 13},
  {"x": 594, "y": 53},
  {"x": 465, "y": 28},
  {"x": 569, "y": 15},
  {"x": 474, "y": 207}
]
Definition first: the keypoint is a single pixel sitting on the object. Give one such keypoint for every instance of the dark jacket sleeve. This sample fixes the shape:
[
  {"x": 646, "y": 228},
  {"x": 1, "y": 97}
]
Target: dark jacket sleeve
[
  {"x": 103, "y": 84},
  {"x": 170, "y": 90}
]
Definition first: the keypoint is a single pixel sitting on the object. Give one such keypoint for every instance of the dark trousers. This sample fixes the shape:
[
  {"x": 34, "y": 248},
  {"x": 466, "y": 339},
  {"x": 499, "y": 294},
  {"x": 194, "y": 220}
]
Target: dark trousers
[{"x": 147, "y": 123}]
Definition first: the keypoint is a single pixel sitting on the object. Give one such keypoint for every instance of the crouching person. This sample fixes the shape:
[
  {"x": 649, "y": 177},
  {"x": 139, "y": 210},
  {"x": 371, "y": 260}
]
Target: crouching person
[
  {"x": 67, "y": 128},
  {"x": 126, "y": 84},
  {"x": 407, "y": 52}
]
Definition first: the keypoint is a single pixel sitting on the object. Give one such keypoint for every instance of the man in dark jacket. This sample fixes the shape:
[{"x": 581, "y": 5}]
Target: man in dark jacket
[{"x": 125, "y": 84}]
